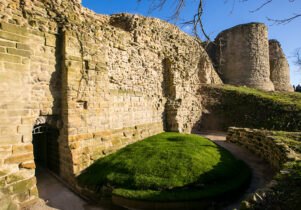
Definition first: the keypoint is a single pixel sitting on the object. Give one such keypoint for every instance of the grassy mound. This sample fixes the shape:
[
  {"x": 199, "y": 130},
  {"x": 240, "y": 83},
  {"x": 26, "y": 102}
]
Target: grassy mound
[
  {"x": 251, "y": 108},
  {"x": 168, "y": 167}
]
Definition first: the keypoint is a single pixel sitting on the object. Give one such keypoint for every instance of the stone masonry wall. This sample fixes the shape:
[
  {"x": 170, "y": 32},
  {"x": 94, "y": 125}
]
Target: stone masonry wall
[
  {"x": 116, "y": 91},
  {"x": 241, "y": 55},
  {"x": 280, "y": 149},
  {"x": 260, "y": 144},
  {"x": 280, "y": 72},
  {"x": 102, "y": 81},
  {"x": 30, "y": 94}
]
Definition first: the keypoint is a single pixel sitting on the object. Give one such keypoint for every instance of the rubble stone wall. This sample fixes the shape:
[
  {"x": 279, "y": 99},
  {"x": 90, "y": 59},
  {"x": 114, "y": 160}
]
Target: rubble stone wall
[
  {"x": 280, "y": 72},
  {"x": 241, "y": 55},
  {"x": 259, "y": 143},
  {"x": 102, "y": 81}
]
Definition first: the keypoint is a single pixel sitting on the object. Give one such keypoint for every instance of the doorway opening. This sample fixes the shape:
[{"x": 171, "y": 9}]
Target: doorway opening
[{"x": 46, "y": 147}]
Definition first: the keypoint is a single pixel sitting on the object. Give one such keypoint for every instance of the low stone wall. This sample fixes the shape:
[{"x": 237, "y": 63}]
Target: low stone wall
[
  {"x": 260, "y": 144},
  {"x": 281, "y": 151}
]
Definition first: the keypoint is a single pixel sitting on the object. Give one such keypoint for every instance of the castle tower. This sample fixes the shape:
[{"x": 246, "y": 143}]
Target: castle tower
[
  {"x": 242, "y": 56},
  {"x": 280, "y": 74}
]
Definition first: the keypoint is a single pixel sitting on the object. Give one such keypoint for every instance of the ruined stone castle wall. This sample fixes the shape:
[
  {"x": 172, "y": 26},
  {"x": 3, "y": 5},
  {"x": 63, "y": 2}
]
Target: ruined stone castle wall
[
  {"x": 280, "y": 72},
  {"x": 102, "y": 81},
  {"x": 31, "y": 93},
  {"x": 120, "y": 93},
  {"x": 242, "y": 56}
]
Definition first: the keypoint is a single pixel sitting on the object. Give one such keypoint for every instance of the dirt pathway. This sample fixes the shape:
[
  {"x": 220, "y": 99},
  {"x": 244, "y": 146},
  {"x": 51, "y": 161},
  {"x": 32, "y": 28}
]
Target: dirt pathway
[{"x": 262, "y": 173}]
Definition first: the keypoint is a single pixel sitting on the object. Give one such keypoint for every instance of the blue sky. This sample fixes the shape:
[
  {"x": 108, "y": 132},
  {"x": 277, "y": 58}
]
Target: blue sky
[{"x": 219, "y": 15}]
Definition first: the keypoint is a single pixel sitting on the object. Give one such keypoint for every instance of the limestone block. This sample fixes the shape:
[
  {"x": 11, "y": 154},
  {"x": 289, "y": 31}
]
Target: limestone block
[
  {"x": 28, "y": 165},
  {"x": 7, "y": 44},
  {"x": 34, "y": 192},
  {"x": 7, "y": 203},
  {"x": 23, "y": 46},
  {"x": 23, "y": 53},
  {"x": 26, "y": 120},
  {"x": 26, "y": 138},
  {"x": 13, "y": 28},
  {"x": 12, "y": 37},
  {"x": 14, "y": 178},
  {"x": 22, "y": 148},
  {"x": 10, "y": 58},
  {"x": 50, "y": 40},
  {"x": 10, "y": 140},
  {"x": 23, "y": 185},
  {"x": 16, "y": 67},
  {"x": 16, "y": 159},
  {"x": 7, "y": 130},
  {"x": 24, "y": 129}
]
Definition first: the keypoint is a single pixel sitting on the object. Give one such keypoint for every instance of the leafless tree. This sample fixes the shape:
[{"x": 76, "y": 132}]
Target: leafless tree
[
  {"x": 197, "y": 23},
  {"x": 197, "y": 18}
]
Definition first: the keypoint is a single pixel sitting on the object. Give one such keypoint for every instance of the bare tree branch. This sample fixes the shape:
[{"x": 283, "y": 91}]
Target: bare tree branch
[
  {"x": 298, "y": 55},
  {"x": 197, "y": 18},
  {"x": 261, "y": 6},
  {"x": 284, "y": 21}
]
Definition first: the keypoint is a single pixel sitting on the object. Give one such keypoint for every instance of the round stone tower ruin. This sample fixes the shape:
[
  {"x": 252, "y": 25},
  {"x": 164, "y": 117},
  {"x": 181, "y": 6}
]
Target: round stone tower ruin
[
  {"x": 280, "y": 74},
  {"x": 242, "y": 56}
]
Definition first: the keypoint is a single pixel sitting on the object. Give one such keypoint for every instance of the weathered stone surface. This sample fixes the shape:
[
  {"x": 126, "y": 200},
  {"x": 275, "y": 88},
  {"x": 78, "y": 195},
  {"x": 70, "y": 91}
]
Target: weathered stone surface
[
  {"x": 28, "y": 165},
  {"x": 10, "y": 58},
  {"x": 23, "y": 46},
  {"x": 18, "y": 158},
  {"x": 12, "y": 37},
  {"x": 50, "y": 40},
  {"x": 24, "y": 53},
  {"x": 242, "y": 56},
  {"x": 22, "y": 148},
  {"x": 7, "y": 44},
  {"x": 13, "y": 28},
  {"x": 14, "y": 178},
  {"x": 7, "y": 203},
  {"x": 259, "y": 143},
  {"x": 34, "y": 192},
  {"x": 23, "y": 185},
  {"x": 102, "y": 82},
  {"x": 280, "y": 72},
  {"x": 10, "y": 140}
]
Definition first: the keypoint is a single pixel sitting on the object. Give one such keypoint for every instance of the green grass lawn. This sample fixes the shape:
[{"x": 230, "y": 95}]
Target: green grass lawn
[{"x": 168, "y": 167}]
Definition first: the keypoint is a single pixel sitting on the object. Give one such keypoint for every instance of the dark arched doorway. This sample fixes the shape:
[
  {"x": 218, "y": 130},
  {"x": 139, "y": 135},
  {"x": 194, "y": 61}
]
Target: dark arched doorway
[{"x": 46, "y": 147}]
